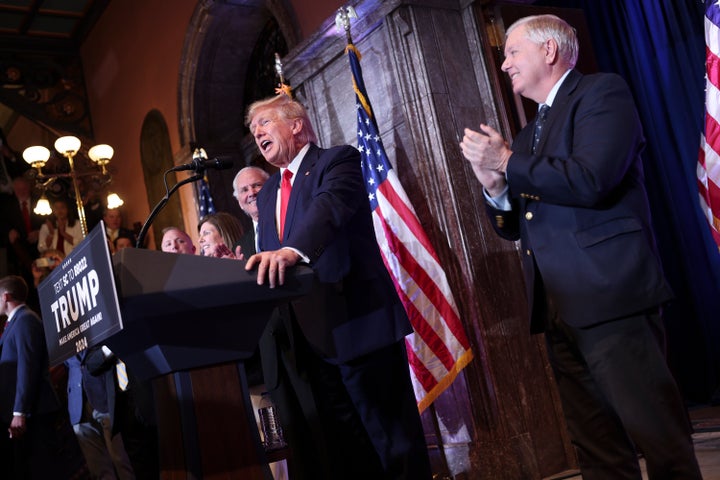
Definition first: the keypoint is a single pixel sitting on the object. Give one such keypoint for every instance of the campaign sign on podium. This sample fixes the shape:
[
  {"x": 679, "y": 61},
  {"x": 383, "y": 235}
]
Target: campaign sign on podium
[{"x": 78, "y": 299}]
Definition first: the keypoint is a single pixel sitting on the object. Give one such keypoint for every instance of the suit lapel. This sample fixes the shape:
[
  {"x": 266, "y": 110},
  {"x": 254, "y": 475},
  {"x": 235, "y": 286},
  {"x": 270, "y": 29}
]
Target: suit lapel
[
  {"x": 268, "y": 214},
  {"x": 305, "y": 166},
  {"x": 11, "y": 325},
  {"x": 563, "y": 95}
]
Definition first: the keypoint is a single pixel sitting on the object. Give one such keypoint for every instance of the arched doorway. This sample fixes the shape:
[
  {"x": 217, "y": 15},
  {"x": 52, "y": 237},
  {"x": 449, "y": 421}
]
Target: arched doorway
[{"x": 228, "y": 63}]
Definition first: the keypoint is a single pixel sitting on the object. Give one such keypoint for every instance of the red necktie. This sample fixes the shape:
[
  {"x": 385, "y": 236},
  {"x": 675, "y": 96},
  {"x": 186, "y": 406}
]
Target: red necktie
[
  {"x": 285, "y": 187},
  {"x": 26, "y": 216}
]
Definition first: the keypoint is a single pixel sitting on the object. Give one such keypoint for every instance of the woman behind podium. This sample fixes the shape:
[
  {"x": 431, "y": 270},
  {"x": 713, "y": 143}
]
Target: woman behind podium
[{"x": 217, "y": 233}]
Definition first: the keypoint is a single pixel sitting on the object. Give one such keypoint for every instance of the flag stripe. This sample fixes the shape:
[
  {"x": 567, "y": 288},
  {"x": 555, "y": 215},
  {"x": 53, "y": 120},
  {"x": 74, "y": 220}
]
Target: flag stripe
[
  {"x": 708, "y": 169},
  {"x": 403, "y": 209},
  {"x": 406, "y": 291},
  {"x": 438, "y": 349},
  {"x": 419, "y": 275},
  {"x": 414, "y": 245}
]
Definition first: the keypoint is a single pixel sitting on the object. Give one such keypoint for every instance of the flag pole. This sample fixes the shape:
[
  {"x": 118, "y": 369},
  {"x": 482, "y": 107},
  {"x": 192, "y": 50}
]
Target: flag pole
[
  {"x": 282, "y": 86},
  {"x": 342, "y": 23}
]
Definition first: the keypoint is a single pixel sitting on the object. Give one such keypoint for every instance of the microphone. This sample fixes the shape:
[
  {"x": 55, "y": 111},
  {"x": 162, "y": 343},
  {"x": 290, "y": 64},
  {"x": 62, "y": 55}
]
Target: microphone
[{"x": 200, "y": 164}]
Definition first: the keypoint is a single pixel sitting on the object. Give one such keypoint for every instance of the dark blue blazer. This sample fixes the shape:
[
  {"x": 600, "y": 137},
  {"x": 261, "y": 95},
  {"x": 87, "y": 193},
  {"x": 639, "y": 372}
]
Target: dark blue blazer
[
  {"x": 354, "y": 308},
  {"x": 580, "y": 209},
  {"x": 24, "y": 374},
  {"x": 81, "y": 381}
]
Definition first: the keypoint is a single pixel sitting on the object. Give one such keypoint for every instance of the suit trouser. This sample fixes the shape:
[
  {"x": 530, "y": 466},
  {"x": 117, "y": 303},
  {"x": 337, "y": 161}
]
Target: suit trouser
[
  {"x": 104, "y": 452},
  {"x": 47, "y": 450},
  {"x": 352, "y": 421},
  {"x": 617, "y": 394}
]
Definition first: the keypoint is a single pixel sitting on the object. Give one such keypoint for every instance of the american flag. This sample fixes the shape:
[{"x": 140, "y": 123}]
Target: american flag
[
  {"x": 205, "y": 201},
  {"x": 708, "y": 169},
  {"x": 438, "y": 348}
]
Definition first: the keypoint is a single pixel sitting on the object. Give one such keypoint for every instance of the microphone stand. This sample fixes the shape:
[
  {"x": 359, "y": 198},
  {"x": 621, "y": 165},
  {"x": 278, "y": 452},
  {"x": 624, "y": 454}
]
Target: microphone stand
[{"x": 163, "y": 201}]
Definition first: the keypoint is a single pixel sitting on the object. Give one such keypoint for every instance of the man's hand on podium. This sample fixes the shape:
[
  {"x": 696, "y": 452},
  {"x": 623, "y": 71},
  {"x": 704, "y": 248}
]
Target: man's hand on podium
[{"x": 272, "y": 265}]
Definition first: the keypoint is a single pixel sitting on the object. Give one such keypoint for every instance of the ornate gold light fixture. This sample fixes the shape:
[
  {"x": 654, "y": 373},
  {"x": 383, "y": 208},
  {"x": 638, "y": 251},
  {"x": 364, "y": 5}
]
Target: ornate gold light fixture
[{"x": 37, "y": 157}]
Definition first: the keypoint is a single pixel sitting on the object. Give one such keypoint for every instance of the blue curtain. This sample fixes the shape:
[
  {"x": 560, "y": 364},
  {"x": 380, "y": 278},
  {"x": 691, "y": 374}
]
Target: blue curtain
[{"x": 658, "y": 47}]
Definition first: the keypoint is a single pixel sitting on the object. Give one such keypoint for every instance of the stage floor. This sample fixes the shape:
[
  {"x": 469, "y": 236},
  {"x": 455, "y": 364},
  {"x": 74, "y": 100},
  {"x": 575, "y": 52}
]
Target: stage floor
[{"x": 706, "y": 425}]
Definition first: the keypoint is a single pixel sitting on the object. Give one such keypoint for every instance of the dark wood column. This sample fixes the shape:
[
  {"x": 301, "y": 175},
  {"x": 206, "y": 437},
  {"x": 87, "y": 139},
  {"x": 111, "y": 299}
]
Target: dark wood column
[{"x": 429, "y": 73}]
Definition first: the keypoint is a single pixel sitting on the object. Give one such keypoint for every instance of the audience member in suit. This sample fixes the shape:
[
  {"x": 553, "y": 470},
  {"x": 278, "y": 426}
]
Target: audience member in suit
[
  {"x": 21, "y": 216},
  {"x": 123, "y": 241},
  {"x": 175, "y": 240},
  {"x": 62, "y": 231},
  {"x": 217, "y": 233},
  {"x": 246, "y": 185},
  {"x": 354, "y": 414},
  {"x": 29, "y": 407},
  {"x": 19, "y": 230},
  {"x": 132, "y": 411},
  {"x": 575, "y": 198},
  {"x": 88, "y": 408},
  {"x": 114, "y": 227}
]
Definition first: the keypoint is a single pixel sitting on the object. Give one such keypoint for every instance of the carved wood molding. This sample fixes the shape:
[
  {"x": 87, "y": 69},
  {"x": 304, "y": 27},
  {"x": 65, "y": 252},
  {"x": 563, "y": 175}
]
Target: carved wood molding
[{"x": 49, "y": 89}]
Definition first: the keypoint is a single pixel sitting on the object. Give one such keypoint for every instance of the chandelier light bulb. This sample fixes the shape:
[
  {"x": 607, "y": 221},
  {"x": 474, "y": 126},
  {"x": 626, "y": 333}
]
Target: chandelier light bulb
[
  {"x": 43, "y": 206},
  {"x": 114, "y": 201},
  {"x": 37, "y": 154},
  {"x": 100, "y": 153},
  {"x": 67, "y": 146}
]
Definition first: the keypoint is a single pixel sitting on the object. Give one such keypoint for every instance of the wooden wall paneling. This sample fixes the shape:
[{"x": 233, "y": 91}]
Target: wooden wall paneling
[
  {"x": 222, "y": 407},
  {"x": 172, "y": 458}
]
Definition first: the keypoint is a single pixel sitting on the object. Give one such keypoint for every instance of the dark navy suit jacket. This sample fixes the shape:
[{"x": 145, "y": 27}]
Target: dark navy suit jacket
[
  {"x": 354, "y": 308},
  {"x": 580, "y": 208},
  {"x": 80, "y": 380},
  {"x": 24, "y": 375}
]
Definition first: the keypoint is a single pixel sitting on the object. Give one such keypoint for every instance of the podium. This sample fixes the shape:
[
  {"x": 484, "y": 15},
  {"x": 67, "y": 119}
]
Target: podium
[{"x": 189, "y": 323}]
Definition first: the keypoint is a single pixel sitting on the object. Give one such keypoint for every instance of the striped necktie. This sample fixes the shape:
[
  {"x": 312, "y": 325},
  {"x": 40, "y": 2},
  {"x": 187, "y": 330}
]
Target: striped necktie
[
  {"x": 539, "y": 122},
  {"x": 122, "y": 377}
]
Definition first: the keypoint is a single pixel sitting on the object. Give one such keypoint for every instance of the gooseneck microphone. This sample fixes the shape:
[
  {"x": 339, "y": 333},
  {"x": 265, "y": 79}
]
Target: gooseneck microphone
[{"x": 200, "y": 164}]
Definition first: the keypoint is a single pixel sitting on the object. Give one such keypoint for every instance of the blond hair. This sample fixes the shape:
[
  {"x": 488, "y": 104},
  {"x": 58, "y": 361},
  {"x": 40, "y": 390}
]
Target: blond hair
[{"x": 289, "y": 109}]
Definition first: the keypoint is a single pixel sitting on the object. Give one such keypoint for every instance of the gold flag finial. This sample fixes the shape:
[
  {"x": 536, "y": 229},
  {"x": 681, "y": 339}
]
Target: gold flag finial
[
  {"x": 282, "y": 86},
  {"x": 342, "y": 21}
]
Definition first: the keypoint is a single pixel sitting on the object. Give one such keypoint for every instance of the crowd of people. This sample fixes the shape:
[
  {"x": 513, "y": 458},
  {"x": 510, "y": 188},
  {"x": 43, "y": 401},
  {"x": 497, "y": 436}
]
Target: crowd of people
[
  {"x": 334, "y": 361},
  {"x": 73, "y": 420}
]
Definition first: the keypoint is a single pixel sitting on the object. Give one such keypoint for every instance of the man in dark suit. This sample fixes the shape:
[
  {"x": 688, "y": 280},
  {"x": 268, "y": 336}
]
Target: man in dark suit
[
  {"x": 28, "y": 404},
  {"x": 131, "y": 405},
  {"x": 571, "y": 190},
  {"x": 113, "y": 227},
  {"x": 346, "y": 338},
  {"x": 175, "y": 240},
  {"x": 87, "y": 397},
  {"x": 19, "y": 231},
  {"x": 246, "y": 185}
]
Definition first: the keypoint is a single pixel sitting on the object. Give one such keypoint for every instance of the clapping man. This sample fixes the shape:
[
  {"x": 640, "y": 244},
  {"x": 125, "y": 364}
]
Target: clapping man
[{"x": 571, "y": 190}]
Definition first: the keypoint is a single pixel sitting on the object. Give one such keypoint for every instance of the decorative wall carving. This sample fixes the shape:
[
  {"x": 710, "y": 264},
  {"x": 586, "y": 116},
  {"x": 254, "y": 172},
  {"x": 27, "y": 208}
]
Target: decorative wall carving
[{"x": 48, "y": 89}]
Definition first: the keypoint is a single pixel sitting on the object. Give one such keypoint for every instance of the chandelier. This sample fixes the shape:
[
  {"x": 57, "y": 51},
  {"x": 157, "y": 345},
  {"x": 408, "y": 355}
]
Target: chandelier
[{"x": 37, "y": 157}]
